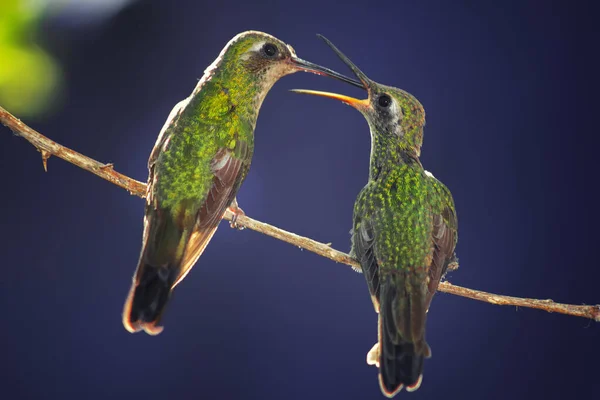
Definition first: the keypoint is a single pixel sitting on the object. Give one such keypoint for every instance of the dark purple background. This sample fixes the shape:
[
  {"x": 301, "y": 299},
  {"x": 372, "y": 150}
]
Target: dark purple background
[{"x": 511, "y": 93}]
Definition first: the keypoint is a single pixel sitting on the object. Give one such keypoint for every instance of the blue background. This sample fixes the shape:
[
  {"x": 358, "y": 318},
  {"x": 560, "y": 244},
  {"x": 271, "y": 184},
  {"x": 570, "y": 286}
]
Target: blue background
[{"x": 511, "y": 94}]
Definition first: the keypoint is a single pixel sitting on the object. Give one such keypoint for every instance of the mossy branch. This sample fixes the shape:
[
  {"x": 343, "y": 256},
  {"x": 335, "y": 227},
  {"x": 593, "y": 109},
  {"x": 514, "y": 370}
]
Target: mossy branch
[{"x": 49, "y": 148}]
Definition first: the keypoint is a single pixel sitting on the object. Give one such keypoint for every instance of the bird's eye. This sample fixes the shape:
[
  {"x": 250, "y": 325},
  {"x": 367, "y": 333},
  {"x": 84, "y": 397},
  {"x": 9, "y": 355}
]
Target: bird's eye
[
  {"x": 270, "y": 50},
  {"x": 384, "y": 101}
]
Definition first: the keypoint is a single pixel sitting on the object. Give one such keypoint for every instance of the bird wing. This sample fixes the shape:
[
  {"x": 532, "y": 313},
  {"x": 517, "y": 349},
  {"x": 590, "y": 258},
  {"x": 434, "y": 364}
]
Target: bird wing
[
  {"x": 156, "y": 150},
  {"x": 229, "y": 168},
  {"x": 363, "y": 241},
  {"x": 445, "y": 237}
]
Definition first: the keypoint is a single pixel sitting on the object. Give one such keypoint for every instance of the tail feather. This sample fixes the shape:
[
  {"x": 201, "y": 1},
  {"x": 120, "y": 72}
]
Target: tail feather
[
  {"x": 147, "y": 300},
  {"x": 401, "y": 336},
  {"x": 158, "y": 269}
]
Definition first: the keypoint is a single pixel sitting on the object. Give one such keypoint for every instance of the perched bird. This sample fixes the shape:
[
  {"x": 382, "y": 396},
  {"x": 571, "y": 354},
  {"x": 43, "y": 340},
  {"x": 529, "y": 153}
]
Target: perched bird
[
  {"x": 199, "y": 161},
  {"x": 404, "y": 230}
]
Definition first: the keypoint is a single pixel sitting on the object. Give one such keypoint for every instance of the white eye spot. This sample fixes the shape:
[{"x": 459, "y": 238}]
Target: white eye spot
[
  {"x": 429, "y": 174},
  {"x": 257, "y": 46},
  {"x": 253, "y": 49}
]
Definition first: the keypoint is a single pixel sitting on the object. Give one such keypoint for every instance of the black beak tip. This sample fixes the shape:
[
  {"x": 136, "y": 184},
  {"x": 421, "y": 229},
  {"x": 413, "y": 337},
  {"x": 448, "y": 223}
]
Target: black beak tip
[
  {"x": 323, "y": 38},
  {"x": 359, "y": 74}
]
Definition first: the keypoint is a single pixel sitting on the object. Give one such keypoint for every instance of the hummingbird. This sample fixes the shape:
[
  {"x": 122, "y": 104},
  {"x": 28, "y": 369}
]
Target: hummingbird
[
  {"x": 404, "y": 230},
  {"x": 200, "y": 159}
]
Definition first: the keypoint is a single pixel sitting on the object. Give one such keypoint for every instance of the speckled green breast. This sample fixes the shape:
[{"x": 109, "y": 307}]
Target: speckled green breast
[{"x": 401, "y": 204}]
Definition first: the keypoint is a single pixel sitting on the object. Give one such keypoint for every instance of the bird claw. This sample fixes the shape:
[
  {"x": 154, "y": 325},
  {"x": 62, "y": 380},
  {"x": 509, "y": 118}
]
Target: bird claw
[
  {"x": 453, "y": 263},
  {"x": 236, "y": 211},
  {"x": 373, "y": 355}
]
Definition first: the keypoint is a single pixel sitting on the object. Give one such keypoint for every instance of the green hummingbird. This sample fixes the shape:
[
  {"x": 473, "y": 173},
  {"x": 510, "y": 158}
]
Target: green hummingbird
[
  {"x": 200, "y": 159},
  {"x": 404, "y": 230}
]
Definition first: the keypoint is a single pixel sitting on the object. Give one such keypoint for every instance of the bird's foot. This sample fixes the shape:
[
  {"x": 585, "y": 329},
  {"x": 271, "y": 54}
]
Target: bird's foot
[
  {"x": 236, "y": 211},
  {"x": 373, "y": 355}
]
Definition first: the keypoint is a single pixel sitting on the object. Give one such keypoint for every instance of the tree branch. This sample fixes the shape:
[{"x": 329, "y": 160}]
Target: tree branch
[{"x": 106, "y": 171}]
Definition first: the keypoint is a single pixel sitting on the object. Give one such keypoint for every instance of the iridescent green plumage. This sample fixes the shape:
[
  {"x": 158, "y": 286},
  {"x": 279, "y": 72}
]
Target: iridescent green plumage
[
  {"x": 404, "y": 231},
  {"x": 221, "y": 113},
  {"x": 404, "y": 234},
  {"x": 200, "y": 159}
]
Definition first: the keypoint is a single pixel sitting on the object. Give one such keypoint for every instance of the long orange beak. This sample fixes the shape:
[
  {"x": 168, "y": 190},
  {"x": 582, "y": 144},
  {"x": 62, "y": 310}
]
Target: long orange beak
[
  {"x": 365, "y": 83},
  {"x": 351, "y": 101}
]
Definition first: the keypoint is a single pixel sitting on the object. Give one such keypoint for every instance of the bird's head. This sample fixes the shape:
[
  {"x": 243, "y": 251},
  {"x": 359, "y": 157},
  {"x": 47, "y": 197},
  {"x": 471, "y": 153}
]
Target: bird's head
[
  {"x": 268, "y": 58},
  {"x": 390, "y": 112}
]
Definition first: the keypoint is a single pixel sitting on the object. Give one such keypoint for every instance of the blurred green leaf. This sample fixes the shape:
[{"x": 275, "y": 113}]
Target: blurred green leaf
[{"x": 29, "y": 77}]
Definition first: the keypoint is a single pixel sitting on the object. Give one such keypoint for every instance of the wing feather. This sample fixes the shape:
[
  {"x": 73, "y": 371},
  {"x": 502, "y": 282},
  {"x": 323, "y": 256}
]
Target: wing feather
[
  {"x": 363, "y": 241},
  {"x": 229, "y": 171},
  {"x": 445, "y": 237}
]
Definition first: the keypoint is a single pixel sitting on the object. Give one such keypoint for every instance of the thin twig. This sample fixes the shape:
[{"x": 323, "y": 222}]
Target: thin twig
[
  {"x": 592, "y": 312},
  {"x": 106, "y": 171}
]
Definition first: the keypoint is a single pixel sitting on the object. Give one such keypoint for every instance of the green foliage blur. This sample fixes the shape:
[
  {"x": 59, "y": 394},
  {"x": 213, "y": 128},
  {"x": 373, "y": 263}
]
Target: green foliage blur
[{"x": 29, "y": 77}]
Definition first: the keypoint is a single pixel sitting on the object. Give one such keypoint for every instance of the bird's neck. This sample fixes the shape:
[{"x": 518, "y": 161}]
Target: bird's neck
[
  {"x": 227, "y": 89},
  {"x": 388, "y": 153}
]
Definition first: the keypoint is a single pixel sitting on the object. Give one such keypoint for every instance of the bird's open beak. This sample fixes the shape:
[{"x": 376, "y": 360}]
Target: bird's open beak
[
  {"x": 351, "y": 101},
  {"x": 365, "y": 83},
  {"x": 307, "y": 66}
]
